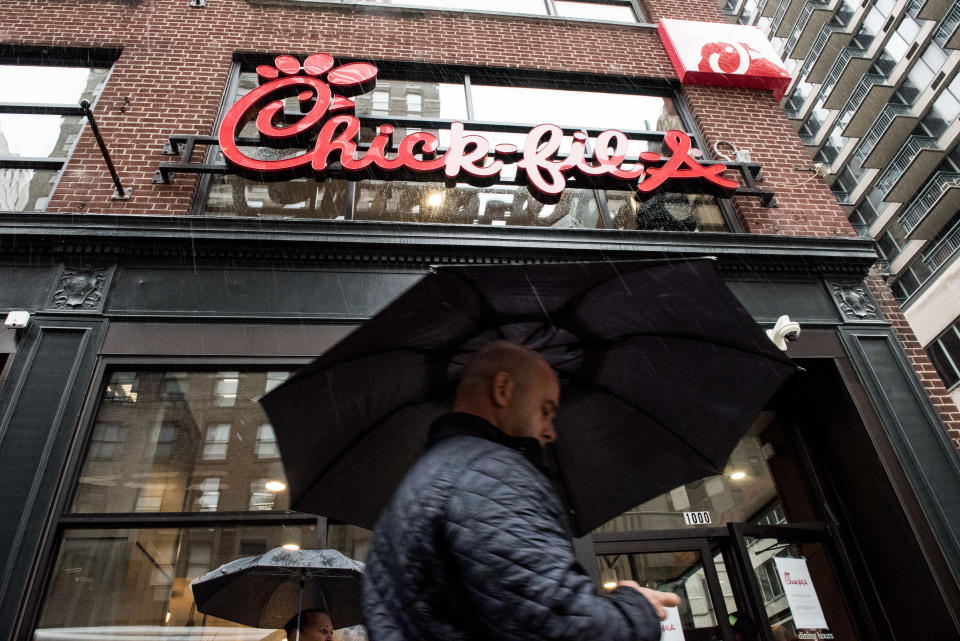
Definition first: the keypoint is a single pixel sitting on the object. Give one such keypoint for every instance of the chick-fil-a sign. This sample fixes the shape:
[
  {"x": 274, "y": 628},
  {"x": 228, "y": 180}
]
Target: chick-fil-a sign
[{"x": 467, "y": 156}]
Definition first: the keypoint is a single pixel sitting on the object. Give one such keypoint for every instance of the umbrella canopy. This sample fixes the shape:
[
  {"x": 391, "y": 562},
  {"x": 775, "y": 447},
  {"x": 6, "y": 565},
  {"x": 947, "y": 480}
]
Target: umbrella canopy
[
  {"x": 661, "y": 370},
  {"x": 266, "y": 591}
]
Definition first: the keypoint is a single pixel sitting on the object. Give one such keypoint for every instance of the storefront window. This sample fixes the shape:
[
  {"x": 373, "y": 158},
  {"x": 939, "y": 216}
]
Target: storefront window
[
  {"x": 40, "y": 136},
  {"x": 188, "y": 447},
  {"x": 182, "y": 442},
  {"x": 502, "y": 112},
  {"x": 119, "y": 584}
]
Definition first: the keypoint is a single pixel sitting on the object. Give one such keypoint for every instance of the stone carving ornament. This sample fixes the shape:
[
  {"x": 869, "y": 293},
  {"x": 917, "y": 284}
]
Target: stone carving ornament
[
  {"x": 80, "y": 288},
  {"x": 855, "y": 302}
]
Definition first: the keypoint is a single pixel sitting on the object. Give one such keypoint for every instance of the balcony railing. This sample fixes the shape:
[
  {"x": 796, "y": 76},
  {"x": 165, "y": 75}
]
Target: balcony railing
[
  {"x": 817, "y": 48},
  {"x": 837, "y": 69},
  {"x": 808, "y": 139},
  {"x": 942, "y": 252},
  {"x": 802, "y": 19},
  {"x": 902, "y": 160},
  {"x": 879, "y": 127},
  {"x": 948, "y": 26},
  {"x": 927, "y": 198},
  {"x": 779, "y": 16},
  {"x": 859, "y": 95}
]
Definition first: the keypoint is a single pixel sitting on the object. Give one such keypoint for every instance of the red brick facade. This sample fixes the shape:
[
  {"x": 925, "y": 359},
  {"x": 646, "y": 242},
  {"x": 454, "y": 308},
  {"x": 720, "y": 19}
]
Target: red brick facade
[{"x": 171, "y": 75}]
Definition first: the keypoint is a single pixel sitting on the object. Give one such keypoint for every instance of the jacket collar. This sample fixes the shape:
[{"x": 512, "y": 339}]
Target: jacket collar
[{"x": 460, "y": 424}]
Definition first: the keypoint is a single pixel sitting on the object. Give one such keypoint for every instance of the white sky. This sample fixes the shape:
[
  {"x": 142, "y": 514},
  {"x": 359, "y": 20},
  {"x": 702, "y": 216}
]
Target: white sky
[{"x": 36, "y": 136}]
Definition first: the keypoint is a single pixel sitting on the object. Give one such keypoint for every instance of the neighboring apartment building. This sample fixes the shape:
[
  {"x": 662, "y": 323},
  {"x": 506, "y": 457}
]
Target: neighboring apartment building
[
  {"x": 876, "y": 98},
  {"x": 170, "y": 290}
]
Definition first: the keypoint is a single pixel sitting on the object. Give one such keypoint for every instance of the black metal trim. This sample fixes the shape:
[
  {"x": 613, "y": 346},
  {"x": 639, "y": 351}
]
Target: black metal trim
[
  {"x": 41, "y": 109},
  {"x": 58, "y": 55},
  {"x": 181, "y": 519}
]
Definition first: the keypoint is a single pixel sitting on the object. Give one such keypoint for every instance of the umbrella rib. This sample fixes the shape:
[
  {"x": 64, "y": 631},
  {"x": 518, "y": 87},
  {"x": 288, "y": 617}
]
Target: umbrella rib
[
  {"x": 495, "y": 321},
  {"x": 608, "y": 390}
]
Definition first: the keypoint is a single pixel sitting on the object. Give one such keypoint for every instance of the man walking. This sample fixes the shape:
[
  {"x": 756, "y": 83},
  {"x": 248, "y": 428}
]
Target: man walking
[{"x": 474, "y": 544}]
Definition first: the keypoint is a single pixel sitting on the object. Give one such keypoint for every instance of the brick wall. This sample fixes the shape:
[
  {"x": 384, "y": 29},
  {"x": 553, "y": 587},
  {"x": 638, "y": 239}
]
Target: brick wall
[{"x": 176, "y": 59}]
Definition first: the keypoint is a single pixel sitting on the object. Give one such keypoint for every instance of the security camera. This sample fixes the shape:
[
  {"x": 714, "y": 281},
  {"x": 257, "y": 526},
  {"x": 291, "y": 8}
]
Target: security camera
[
  {"x": 17, "y": 320},
  {"x": 784, "y": 330}
]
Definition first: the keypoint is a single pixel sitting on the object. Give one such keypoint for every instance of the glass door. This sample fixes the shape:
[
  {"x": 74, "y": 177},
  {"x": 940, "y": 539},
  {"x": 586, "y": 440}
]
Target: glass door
[{"x": 688, "y": 567}]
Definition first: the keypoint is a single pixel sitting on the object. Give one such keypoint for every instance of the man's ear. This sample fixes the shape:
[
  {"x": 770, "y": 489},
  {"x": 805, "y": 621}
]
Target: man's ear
[{"x": 501, "y": 389}]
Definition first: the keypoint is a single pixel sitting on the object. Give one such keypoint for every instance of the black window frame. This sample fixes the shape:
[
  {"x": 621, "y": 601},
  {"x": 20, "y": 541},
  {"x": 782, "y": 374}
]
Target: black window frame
[
  {"x": 468, "y": 75},
  {"x": 62, "y": 519},
  {"x": 952, "y": 359},
  {"x": 550, "y": 9}
]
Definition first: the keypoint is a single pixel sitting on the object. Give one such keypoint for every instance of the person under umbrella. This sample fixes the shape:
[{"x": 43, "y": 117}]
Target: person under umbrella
[
  {"x": 317, "y": 588},
  {"x": 475, "y": 543},
  {"x": 309, "y": 625}
]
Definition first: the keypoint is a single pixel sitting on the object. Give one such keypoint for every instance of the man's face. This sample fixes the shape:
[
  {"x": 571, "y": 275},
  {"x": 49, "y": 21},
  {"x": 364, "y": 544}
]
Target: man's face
[
  {"x": 315, "y": 626},
  {"x": 531, "y": 409}
]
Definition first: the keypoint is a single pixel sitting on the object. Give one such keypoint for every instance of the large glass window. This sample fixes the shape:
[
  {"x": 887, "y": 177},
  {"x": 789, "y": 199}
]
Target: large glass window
[
  {"x": 33, "y": 147},
  {"x": 608, "y": 10},
  {"x": 944, "y": 351},
  {"x": 502, "y": 109},
  {"x": 180, "y": 474}
]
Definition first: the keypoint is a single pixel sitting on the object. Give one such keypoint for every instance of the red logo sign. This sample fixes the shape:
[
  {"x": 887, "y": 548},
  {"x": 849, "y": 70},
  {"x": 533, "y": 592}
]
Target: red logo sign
[
  {"x": 732, "y": 55},
  {"x": 323, "y": 94},
  {"x": 789, "y": 581}
]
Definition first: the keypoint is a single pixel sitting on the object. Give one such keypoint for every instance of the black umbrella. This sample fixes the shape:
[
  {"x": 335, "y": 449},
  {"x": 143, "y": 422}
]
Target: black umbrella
[
  {"x": 661, "y": 369},
  {"x": 268, "y": 590}
]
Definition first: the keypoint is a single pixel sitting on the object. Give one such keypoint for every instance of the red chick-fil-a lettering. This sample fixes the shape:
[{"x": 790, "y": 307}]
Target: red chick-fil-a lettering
[{"x": 467, "y": 156}]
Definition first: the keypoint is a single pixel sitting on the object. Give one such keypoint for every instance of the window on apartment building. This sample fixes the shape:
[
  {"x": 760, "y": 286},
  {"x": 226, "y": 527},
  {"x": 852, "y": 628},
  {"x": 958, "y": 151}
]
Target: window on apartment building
[
  {"x": 150, "y": 512},
  {"x": 944, "y": 352},
  {"x": 503, "y": 106},
  {"x": 35, "y": 146},
  {"x": 607, "y": 10}
]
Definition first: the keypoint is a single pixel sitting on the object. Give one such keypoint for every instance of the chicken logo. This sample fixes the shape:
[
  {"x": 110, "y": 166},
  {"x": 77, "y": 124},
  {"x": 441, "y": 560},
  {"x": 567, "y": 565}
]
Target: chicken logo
[
  {"x": 737, "y": 58},
  {"x": 709, "y": 53}
]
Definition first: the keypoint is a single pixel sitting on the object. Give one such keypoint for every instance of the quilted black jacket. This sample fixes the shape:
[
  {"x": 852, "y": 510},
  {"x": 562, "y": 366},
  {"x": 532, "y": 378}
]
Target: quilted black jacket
[{"x": 474, "y": 546}]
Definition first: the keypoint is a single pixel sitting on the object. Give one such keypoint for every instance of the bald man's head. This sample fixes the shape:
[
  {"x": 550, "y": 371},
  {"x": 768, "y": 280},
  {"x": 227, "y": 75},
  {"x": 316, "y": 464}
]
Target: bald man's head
[{"x": 513, "y": 388}]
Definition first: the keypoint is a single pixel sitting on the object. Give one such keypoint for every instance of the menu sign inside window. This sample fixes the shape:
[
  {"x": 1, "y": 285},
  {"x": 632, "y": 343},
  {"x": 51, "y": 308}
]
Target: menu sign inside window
[
  {"x": 331, "y": 127},
  {"x": 801, "y": 595}
]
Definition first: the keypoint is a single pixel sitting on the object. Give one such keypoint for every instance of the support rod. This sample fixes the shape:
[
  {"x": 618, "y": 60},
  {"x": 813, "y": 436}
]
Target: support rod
[{"x": 85, "y": 105}]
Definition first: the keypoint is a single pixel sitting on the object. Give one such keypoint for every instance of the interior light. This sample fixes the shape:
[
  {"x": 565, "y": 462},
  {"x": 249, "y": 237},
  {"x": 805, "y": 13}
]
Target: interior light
[
  {"x": 166, "y": 619},
  {"x": 737, "y": 476},
  {"x": 275, "y": 486},
  {"x": 435, "y": 199},
  {"x": 608, "y": 577},
  {"x": 293, "y": 547}
]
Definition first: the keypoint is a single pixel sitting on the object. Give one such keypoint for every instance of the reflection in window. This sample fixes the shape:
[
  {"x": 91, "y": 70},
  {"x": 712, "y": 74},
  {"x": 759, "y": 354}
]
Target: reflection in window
[
  {"x": 126, "y": 583},
  {"x": 208, "y": 495},
  {"x": 274, "y": 379},
  {"x": 266, "y": 446},
  {"x": 171, "y": 446},
  {"x": 40, "y": 136},
  {"x": 227, "y": 388},
  {"x": 218, "y": 438},
  {"x": 496, "y": 205},
  {"x": 260, "y": 497},
  {"x": 665, "y": 212},
  {"x": 122, "y": 388},
  {"x": 103, "y": 443}
]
